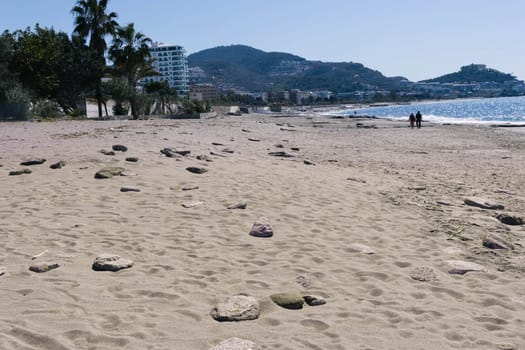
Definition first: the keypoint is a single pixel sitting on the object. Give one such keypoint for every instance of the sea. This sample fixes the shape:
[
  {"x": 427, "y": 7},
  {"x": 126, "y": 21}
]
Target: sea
[{"x": 501, "y": 110}]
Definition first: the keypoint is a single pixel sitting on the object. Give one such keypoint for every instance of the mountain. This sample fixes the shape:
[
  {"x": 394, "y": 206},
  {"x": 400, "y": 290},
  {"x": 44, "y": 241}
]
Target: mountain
[
  {"x": 247, "y": 68},
  {"x": 474, "y": 73}
]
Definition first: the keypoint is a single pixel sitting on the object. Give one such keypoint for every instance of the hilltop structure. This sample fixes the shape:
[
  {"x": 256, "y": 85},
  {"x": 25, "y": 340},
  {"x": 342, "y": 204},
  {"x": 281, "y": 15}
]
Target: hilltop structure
[{"x": 172, "y": 64}]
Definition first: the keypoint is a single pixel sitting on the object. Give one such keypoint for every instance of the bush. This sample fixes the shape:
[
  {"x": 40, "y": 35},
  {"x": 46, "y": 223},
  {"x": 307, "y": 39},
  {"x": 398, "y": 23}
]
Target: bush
[
  {"x": 47, "y": 109},
  {"x": 15, "y": 104}
]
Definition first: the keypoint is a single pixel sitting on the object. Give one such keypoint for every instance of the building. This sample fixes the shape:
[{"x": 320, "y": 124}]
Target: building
[
  {"x": 172, "y": 64},
  {"x": 207, "y": 92}
]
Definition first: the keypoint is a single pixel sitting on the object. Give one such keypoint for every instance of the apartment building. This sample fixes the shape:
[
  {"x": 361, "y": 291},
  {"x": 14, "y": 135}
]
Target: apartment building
[{"x": 172, "y": 64}]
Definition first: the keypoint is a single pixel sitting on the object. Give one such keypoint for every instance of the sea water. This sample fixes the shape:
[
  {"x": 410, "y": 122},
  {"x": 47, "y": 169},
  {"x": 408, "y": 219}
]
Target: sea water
[{"x": 487, "y": 110}]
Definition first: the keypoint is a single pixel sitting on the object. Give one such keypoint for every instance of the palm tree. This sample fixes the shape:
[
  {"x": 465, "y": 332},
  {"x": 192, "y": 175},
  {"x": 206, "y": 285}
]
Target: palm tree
[
  {"x": 92, "y": 21},
  {"x": 131, "y": 58}
]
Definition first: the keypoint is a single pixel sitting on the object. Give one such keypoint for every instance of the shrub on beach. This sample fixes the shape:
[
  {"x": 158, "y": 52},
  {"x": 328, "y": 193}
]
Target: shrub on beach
[{"x": 47, "y": 109}]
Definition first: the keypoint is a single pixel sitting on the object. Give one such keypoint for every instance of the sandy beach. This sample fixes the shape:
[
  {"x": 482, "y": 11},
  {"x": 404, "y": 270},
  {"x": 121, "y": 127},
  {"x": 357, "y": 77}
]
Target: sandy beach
[{"x": 367, "y": 214}]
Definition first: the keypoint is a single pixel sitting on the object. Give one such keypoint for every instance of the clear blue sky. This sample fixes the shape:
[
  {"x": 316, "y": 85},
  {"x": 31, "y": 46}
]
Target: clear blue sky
[{"x": 417, "y": 39}]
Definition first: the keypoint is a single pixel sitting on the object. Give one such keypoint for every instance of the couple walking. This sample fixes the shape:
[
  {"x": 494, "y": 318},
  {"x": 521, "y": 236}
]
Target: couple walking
[{"x": 415, "y": 119}]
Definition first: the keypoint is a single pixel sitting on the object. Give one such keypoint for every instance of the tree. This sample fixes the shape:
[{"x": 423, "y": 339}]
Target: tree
[
  {"x": 164, "y": 96},
  {"x": 92, "y": 21},
  {"x": 131, "y": 59}
]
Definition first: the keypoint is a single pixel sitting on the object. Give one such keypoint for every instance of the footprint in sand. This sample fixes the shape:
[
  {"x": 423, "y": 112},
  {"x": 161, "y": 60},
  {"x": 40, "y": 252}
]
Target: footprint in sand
[{"x": 317, "y": 325}]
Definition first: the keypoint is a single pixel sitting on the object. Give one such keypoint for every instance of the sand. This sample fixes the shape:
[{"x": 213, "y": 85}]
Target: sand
[{"x": 371, "y": 226}]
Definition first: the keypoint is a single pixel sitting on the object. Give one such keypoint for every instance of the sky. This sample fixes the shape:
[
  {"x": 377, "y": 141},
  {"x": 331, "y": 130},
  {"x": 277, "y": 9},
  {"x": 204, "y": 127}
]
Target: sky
[{"x": 416, "y": 39}]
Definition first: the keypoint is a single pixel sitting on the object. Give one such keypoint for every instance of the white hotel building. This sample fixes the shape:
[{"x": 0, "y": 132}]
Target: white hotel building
[{"x": 172, "y": 64}]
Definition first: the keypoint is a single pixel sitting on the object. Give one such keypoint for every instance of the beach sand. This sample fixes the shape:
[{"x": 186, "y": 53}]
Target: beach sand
[{"x": 375, "y": 186}]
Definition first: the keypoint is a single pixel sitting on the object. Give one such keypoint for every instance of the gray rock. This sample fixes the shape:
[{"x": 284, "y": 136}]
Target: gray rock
[
  {"x": 129, "y": 189},
  {"x": 2, "y": 270},
  {"x": 281, "y": 154},
  {"x": 288, "y": 300},
  {"x": 191, "y": 204},
  {"x": 241, "y": 205},
  {"x": 228, "y": 150},
  {"x": 296, "y": 149},
  {"x": 261, "y": 228},
  {"x": 189, "y": 187},
  {"x": 217, "y": 144},
  {"x": 58, "y": 165},
  {"x": 459, "y": 267},
  {"x": 20, "y": 172},
  {"x": 482, "y": 203},
  {"x": 107, "y": 153},
  {"x": 308, "y": 162},
  {"x": 132, "y": 159},
  {"x": 509, "y": 219},
  {"x": 35, "y": 161},
  {"x": 196, "y": 170},
  {"x": 110, "y": 262},
  {"x": 235, "y": 344},
  {"x": 109, "y": 172},
  {"x": 495, "y": 242},
  {"x": 182, "y": 152},
  {"x": 120, "y": 148},
  {"x": 279, "y": 145},
  {"x": 442, "y": 202},
  {"x": 356, "y": 180},
  {"x": 170, "y": 153},
  {"x": 217, "y": 154},
  {"x": 43, "y": 267},
  {"x": 204, "y": 158},
  {"x": 314, "y": 300},
  {"x": 423, "y": 274},
  {"x": 240, "y": 307},
  {"x": 253, "y": 139}
]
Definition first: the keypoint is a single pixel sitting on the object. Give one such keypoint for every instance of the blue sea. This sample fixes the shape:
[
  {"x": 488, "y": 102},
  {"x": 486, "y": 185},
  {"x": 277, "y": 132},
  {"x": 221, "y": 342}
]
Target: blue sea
[{"x": 500, "y": 110}]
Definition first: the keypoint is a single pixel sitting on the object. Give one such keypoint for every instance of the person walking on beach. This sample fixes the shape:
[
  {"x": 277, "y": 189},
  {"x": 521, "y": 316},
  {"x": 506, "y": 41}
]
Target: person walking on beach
[
  {"x": 412, "y": 119},
  {"x": 419, "y": 117}
]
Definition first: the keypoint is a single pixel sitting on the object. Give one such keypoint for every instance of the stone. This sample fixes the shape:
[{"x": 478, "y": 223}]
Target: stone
[
  {"x": 308, "y": 162},
  {"x": 482, "y": 203},
  {"x": 360, "y": 248},
  {"x": 107, "y": 153},
  {"x": 442, "y": 202},
  {"x": 196, "y": 170},
  {"x": 253, "y": 139},
  {"x": 459, "y": 267},
  {"x": 108, "y": 172},
  {"x": 58, "y": 165},
  {"x": 494, "y": 242},
  {"x": 217, "y": 154},
  {"x": 191, "y": 204},
  {"x": 279, "y": 145},
  {"x": 189, "y": 188},
  {"x": 509, "y": 219},
  {"x": 281, "y": 154},
  {"x": 34, "y": 161},
  {"x": 239, "y": 307},
  {"x": 120, "y": 148},
  {"x": 129, "y": 189},
  {"x": 43, "y": 267},
  {"x": 2, "y": 270},
  {"x": 132, "y": 159},
  {"x": 20, "y": 172},
  {"x": 261, "y": 228},
  {"x": 288, "y": 300},
  {"x": 204, "y": 158},
  {"x": 182, "y": 152},
  {"x": 354, "y": 179},
  {"x": 296, "y": 149},
  {"x": 168, "y": 152},
  {"x": 314, "y": 300},
  {"x": 228, "y": 150},
  {"x": 241, "y": 205},
  {"x": 110, "y": 262},
  {"x": 235, "y": 344},
  {"x": 217, "y": 144},
  {"x": 423, "y": 274},
  {"x": 245, "y": 130}
]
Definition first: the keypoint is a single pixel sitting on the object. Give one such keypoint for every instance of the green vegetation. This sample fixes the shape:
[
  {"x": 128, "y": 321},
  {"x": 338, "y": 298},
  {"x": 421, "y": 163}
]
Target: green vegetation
[{"x": 474, "y": 73}]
